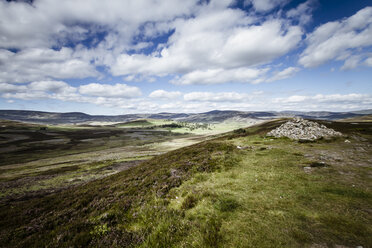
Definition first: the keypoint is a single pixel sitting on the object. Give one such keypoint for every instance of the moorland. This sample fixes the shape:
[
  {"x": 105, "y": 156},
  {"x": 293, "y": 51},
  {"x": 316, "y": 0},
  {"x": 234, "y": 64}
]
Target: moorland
[{"x": 166, "y": 183}]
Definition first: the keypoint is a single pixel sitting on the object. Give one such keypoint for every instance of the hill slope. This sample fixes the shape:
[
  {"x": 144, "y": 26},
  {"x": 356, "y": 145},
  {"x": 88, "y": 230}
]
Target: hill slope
[
  {"x": 213, "y": 194},
  {"x": 365, "y": 118}
]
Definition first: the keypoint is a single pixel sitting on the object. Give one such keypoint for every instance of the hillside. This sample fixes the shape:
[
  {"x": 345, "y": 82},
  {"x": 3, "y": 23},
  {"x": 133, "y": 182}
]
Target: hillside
[
  {"x": 239, "y": 190},
  {"x": 215, "y": 116},
  {"x": 365, "y": 118}
]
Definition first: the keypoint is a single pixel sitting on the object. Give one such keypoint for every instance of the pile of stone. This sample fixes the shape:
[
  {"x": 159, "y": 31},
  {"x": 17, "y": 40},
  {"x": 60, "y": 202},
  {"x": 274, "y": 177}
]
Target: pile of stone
[{"x": 300, "y": 129}]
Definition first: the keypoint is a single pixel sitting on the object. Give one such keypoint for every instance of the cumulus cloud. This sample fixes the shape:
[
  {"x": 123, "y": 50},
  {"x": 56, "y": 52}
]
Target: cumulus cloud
[
  {"x": 38, "y": 86},
  {"x": 100, "y": 94},
  {"x": 185, "y": 42},
  {"x": 225, "y": 48},
  {"x": 351, "y": 62},
  {"x": 11, "y": 88},
  {"x": 347, "y": 98},
  {"x": 215, "y": 97},
  {"x": 46, "y": 23},
  {"x": 198, "y": 102},
  {"x": 227, "y": 39},
  {"x": 107, "y": 90},
  {"x": 368, "y": 62},
  {"x": 286, "y": 73},
  {"x": 303, "y": 12},
  {"x": 97, "y": 32},
  {"x": 333, "y": 102},
  {"x": 51, "y": 86},
  {"x": 217, "y": 76},
  {"x": 162, "y": 94},
  {"x": 338, "y": 40},
  {"x": 40, "y": 64},
  {"x": 266, "y": 5}
]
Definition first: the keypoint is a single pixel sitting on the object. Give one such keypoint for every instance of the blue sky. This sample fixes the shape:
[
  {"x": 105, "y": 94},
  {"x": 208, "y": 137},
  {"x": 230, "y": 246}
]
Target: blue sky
[{"x": 147, "y": 56}]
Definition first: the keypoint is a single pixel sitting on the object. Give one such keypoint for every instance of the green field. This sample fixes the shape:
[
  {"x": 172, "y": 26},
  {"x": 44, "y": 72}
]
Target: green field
[
  {"x": 266, "y": 193},
  {"x": 186, "y": 127}
]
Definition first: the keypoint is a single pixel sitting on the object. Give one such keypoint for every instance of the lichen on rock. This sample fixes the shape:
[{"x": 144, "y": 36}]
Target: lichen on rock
[{"x": 300, "y": 129}]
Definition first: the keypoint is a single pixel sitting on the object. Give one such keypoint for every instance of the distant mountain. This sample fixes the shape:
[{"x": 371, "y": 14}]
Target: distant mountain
[
  {"x": 209, "y": 117},
  {"x": 364, "y": 112},
  {"x": 58, "y": 118}
]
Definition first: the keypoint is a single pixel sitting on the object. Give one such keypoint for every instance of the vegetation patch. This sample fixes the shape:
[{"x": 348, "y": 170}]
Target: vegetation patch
[
  {"x": 227, "y": 204},
  {"x": 317, "y": 164},
  {"x": 60, "y": 170}
]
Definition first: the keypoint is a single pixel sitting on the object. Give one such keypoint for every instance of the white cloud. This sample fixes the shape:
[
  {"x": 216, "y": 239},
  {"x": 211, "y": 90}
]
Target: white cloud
[
  {"x": 338, "y": 40},
  {"x": 37, "y": 90},
  {"x": 227, "y": 39},
  {"x": 216, "y": 97},
  {"x": 11, "y": 88},
  {"x": 51, "y": 86},
  {"x": 191, "y": 102},
  {"x": 333, "y": 98},
  {"x": 217, "y": 76},
  {"x": 45, "y": 23},
  {"x": 260, "y": 44},
  {"x": 330, "y": 102},
  {"x": 162, "y": 94},
  {"x": 265, "y": 5},
  {"x": 286, "y": 73},
  {"x": 113, "y": 96},
  {"x": 351, "y": 62},
  {"x": 107, "y": 90},
  {"x": 368, "y": 62},
  {"x": 303, "y": 12},
  {"x": 211, "y": 42},
  {"x": 34, "y": 28},
  {"x": 225, "y": 48},
  {"x": 40, "y": 64},
  {"x": 58, "y": 87}
]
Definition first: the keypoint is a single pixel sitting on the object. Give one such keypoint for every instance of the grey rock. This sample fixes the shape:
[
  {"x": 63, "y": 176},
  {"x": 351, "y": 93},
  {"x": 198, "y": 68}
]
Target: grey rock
[{"x": 303, "y": 130}]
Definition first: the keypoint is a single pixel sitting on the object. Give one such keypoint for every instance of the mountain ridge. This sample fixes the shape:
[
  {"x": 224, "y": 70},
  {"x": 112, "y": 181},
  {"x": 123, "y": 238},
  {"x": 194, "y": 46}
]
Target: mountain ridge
[{"x": 207, "y": 117}]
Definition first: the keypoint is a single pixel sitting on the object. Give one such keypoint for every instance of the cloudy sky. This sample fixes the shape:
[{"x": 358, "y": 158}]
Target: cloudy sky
[{"x": 136, "y": 56}]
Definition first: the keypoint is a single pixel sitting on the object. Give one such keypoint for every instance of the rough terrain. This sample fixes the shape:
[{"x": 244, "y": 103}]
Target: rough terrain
[
  {"x": 239, "y": 190},
  {"x": 300, "y": 129}
]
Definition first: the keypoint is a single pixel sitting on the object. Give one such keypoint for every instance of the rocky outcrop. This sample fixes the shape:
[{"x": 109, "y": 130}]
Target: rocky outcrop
[{"x": 300, "y": 129}]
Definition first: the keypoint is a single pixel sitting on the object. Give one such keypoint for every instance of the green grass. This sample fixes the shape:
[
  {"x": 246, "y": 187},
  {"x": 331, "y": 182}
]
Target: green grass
[
  {"x": 184, "y": 127},
  {"x": 212, "y": 195},
  {"x": 136, "y": 123}
]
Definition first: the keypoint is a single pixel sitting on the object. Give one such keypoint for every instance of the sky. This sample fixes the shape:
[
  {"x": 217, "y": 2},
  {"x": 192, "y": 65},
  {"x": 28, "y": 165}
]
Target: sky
[{"x": 149, "y": 56}]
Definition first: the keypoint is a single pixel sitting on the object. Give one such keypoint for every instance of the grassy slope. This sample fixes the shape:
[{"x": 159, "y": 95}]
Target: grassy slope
[{"x": 214, "y": 195}]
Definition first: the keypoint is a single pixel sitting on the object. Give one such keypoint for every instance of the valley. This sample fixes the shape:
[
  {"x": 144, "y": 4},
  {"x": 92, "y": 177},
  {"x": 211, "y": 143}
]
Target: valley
[
  {"x": 234, "y": 189},
  {"x": 39, "y": 159}
]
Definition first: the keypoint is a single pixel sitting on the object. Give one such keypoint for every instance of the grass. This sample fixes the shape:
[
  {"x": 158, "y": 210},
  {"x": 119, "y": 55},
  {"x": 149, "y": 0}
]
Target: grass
[
  {"x": 184, "y": 127},
  {"x": 136, "y": 123},
  {"x": 213, "y": 194}
]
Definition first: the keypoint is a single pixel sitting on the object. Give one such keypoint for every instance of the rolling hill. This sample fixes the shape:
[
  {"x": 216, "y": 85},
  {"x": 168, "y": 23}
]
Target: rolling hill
[
  {"x": 208, "y": 117},
  {"x": 238, "y": 190}
]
